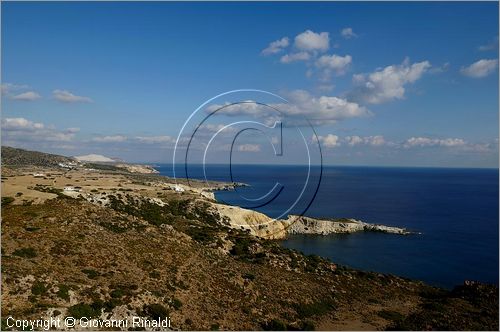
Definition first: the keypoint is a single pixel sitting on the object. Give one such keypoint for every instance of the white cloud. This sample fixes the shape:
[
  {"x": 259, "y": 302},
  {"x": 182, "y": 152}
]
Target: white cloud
[
  {"x": 23, "y": 130},
  {"x": 26, "y": 96},
  {"x": 110, "y": 139},
  {"x": 426, "y": 141},
  {"x": 312, "y": 41},
  {"x": 247, "y": 107},
  {"x": 333, "y": 63},
  {"x": 321, "y": 110},
  {"x": 329, "y": 141},
  {"x": 480, "y": 68},
  {"x": 249, "y": 148},
  {"x": 299, "y": 56},
  {"x": 367, "y": 140},
  {"x": 155, "y": 139},
  {"x": 20, "y": 124},
  {"x": 493, "y": 45},
  {"x": 388, "y": 83},
  {"x": 347, "y": 33},
  {"x": 68, "y": 97},
  {"x": 455, "y": 143},
  {"x": 276, "y": 46},
  {"x": 18, "y": 92},
  {"x": 8, "y": 88}
]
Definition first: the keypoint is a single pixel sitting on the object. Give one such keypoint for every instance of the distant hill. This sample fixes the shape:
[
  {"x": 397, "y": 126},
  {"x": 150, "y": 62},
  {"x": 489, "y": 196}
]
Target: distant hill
[
  {"x": 19, "y": 157},
  {"x": 95, "y": 158}
]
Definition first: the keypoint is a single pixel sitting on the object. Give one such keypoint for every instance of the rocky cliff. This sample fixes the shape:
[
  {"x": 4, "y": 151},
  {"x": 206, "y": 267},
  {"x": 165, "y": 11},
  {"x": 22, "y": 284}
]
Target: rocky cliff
[{"x": 261, "y": 225}]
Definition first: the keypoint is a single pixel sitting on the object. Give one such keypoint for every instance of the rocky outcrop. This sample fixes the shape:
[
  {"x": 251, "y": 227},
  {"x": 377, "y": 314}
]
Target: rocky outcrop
[
  {"x": 258, "y": 224},
  {"x": 261, "y": 225},
  {"x": 306, "y": 225}
]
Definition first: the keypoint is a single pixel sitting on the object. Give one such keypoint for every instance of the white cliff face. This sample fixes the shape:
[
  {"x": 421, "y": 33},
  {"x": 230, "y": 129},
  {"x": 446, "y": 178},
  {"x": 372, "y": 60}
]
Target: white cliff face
[
  {"x": 259, "y": 224},
  {"x": 306, "y": 225}
]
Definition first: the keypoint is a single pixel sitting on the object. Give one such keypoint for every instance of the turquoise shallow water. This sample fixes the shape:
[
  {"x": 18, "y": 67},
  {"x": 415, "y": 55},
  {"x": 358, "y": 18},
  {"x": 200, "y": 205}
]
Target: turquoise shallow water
[{"x": 456, "y": 211}]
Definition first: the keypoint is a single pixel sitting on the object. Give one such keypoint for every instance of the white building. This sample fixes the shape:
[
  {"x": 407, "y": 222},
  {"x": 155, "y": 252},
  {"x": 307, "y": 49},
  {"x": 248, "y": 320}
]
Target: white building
[{"x": 178, "y": 188}]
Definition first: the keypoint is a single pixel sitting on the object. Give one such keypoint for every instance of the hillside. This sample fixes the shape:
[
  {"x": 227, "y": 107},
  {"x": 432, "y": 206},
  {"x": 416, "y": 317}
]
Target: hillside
[
  {"x": 19, "y": 157},
  {"x": 124, "y": 245}
]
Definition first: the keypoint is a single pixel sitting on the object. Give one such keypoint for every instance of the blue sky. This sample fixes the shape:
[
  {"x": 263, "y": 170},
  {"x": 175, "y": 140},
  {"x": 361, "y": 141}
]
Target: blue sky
[{"x": 399, "y": 84}]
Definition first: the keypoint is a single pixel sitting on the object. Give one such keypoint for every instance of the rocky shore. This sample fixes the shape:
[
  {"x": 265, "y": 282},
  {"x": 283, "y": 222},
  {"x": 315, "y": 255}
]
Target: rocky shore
[
  {"x": 306, "y": 225},
  {"x": 261, "y": 225}
]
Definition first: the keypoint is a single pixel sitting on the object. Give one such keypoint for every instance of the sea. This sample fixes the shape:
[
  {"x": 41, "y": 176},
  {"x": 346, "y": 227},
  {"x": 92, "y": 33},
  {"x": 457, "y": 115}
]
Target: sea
[{"x": 454, "y": 214}]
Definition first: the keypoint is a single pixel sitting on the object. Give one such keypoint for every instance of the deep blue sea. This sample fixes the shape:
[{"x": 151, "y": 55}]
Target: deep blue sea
[{"x": 455, "y": 211}]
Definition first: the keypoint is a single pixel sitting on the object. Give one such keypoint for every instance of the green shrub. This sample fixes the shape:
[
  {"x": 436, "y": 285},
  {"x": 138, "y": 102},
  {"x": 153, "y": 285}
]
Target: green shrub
[
  {"x": 63, "y": 292},
  {"x": 122, "y": 290},
  {"x": 249, "y": 276},
  {"x": 38, "y": 288},
  {"x": 83, "y": 310},
  {"x": 313, "y": 309},
  {"x": 274, "y": 325},
  {"x": 91, "y": 274},
  {"x": 25, "y": 252},
  {"x": 307, "y": 326},
  {"x": 7, "y": 200},
  {"x": 176, "y": 303},
  {"x": 111, "y": 304},
  {"x": 117, "y": 293},
  {"x": 155, "y": 311}
]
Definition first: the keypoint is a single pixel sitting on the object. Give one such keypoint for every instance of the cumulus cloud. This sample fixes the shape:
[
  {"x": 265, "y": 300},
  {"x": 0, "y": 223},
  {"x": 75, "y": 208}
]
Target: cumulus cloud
[
  {"x": 323, "y": 109},
  {"x": 24, "y": 130},
  {"x": 333, "y": 64},
  {"x": 480, "y": 68},
  {"x": 26, "y": 96},
  {"x": 276, "y": 46},
  {"x": 347, "y": 33},
  {"x": 367, "y": 140},
  {"x": 329, "y": 141},
  {"x": 299, "y": 56},
  {"x": 426, "y": 141},
  {"x": 455, "y": 143},
  {"x": 110, "y": 139},
  {"x": 312, "y": 41},
  {"x": 20, "y": 124},
  {"x": 68, "y": 97},
  {"x": 302, "y": 105},
  {"x": 249, "y": 148},
  {"x": 416, "y": 142},
  {"x": 388, "y": 83}
]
